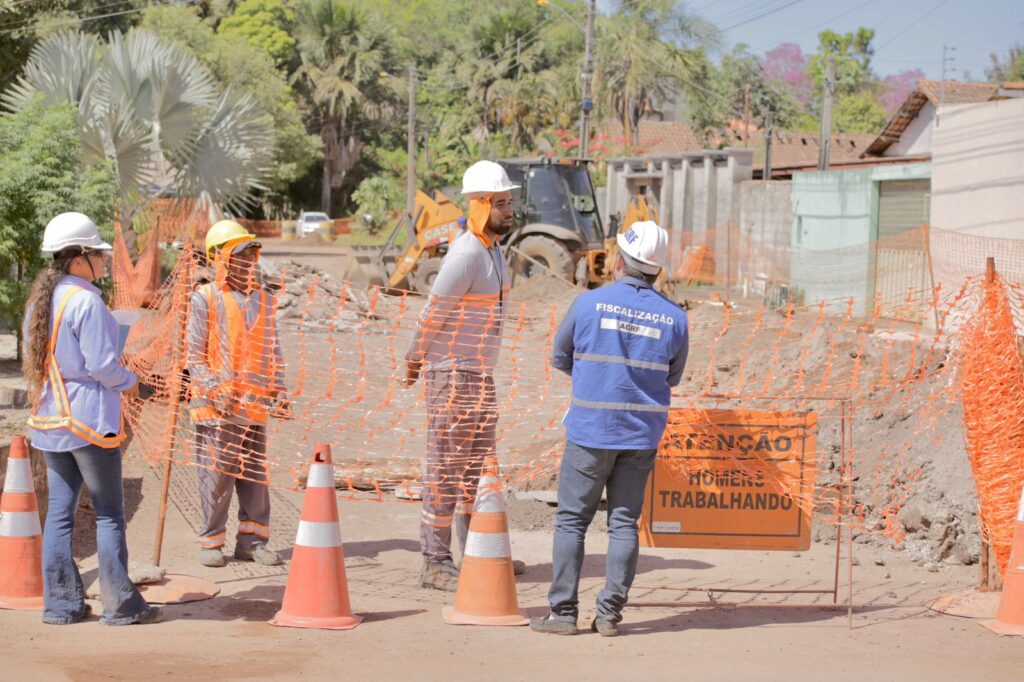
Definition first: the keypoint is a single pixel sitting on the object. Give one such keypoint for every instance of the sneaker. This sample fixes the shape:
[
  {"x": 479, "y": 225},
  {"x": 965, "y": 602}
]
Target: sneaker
[
  {"x": 258, "y": 553},
  {"x": 154, "y": 615},
  {"x": 213, "y": 558},
  {"x": 549, "y": 626},
  {"x": 518, "y": 567},
  {"x": 605, "y": 627},
  {"x": 440, "y": 575}
]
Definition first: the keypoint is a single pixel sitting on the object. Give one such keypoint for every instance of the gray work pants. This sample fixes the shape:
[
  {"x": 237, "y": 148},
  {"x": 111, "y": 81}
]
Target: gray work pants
[
  {"x": 462, "y": 417},
  {"x": 233, "y": 456},
  {"x": 584, "y": 474}
]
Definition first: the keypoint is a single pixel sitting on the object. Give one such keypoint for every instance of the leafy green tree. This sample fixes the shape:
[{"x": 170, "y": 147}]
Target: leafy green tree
[
  {"x": 346, "y": 54},
  {"x": 860, "y": 113},
  {"x": 853, "y": 53},
  {"x": 266, "y": 24},
  {"x": 42, "y": 173},
  {"x": 1010, "y": 69},
  {"x": 377, "y": 198},
  {"x": 238, "y": 65},
  {"x": 155, "y": 112}
]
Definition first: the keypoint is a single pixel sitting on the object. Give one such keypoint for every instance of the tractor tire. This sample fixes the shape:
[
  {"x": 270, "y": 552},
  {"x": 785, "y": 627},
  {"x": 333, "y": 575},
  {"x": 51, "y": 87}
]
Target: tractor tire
[
  {"x": 550, "y": 253},
  {"x": 426, "y": 273}
]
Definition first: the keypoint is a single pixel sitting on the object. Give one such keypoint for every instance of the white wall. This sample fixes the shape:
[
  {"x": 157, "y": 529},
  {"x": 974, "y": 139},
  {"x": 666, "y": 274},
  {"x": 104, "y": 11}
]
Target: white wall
[
  {"x": 917, "y": 138},
  {"x": 978, "y": 169}
]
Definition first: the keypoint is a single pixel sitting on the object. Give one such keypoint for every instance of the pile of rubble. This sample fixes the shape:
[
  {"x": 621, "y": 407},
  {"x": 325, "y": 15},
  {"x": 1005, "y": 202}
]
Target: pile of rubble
[{"x": 312, "y": 299}]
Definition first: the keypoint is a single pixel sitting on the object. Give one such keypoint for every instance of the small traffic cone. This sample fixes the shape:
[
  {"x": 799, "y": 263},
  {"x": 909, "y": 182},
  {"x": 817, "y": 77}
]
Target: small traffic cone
[
  {"x": 316, "y": 595},
  {"x": 21, "y": 541},
  {"x": 487, "y": 584},
  {"x": 1010, "y": 616}
]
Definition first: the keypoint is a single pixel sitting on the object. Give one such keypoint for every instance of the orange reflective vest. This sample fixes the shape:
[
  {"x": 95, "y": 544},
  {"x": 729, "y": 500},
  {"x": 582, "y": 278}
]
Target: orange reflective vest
[
  {"x": 242, "y": 357},
  {"x": 64, "y": 419}
]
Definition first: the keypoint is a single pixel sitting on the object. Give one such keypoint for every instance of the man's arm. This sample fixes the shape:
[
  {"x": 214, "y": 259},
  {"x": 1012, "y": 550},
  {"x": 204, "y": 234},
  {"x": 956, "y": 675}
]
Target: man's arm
[
  {"x": 452, "y": 282},
  {"x": 563, "y": 347},
  {"x": 197, "y": 336},
  {"x": 678, "y": 363}
]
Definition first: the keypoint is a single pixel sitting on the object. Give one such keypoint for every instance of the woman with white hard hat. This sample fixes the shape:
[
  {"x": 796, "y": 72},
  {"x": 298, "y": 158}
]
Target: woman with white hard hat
[{"x": 70, "y": 359}]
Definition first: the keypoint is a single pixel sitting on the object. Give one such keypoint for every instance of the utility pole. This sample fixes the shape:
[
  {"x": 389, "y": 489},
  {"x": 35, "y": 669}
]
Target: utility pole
[
  {"x": 946, "y": 57},
  {"x": 587, "y": 76},
  {"x": 767, "y": 173},
  {"x": 410, "y": 166},
  {"x": 828, "y": 90},
  {"x": 746, "y": 115}
]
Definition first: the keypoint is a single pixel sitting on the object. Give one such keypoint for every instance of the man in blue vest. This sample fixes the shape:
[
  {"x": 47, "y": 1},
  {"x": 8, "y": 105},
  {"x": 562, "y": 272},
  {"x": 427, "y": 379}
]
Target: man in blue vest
[{"x": 625, "y": 346}]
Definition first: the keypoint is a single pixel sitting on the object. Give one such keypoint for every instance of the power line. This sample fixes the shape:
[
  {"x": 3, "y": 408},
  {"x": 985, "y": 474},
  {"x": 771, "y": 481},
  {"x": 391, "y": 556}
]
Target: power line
[
  {"x": 761, "y": 15},
  {"x": 30, "y": 20},
  {"x": 913, "y": 23},
  {"x": 820, "y": 25}
]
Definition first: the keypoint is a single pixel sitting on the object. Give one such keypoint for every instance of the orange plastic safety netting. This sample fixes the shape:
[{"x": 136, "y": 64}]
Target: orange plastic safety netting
[{"x": 862, "y": 351}]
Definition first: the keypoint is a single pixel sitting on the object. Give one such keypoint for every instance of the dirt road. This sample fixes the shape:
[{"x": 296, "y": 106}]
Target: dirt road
[{"x": 667, "y": 635}]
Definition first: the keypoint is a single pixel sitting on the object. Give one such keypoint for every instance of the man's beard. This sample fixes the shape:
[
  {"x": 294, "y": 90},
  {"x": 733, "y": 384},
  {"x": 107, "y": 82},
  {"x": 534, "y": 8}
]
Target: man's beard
[{"x": 501, "y": 229}]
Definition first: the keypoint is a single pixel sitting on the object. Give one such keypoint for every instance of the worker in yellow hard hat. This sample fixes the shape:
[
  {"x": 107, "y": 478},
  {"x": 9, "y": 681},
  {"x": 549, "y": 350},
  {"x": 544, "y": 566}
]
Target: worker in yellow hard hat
[{"x": 237, "y": 382}]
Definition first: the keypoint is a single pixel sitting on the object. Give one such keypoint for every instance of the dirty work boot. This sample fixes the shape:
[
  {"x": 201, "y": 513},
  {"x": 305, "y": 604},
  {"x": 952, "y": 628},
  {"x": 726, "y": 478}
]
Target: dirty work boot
[
  {"x": 549, "y": 626},
  {"x": 440, "y": 575},
  {"x": 605, "y": 627},
  {"x": 518, "y": 567},
  {"x": 154, "y": 615},
  {"x": 211, "y": 557},
  {"x": 258, "y": 553}
]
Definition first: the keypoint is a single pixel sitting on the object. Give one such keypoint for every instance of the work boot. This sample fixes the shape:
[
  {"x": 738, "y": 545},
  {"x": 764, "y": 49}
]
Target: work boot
[
  {"x": 213, "y": 558},
  {"x": 258, "y": 553},
  {"x": 518, "y": 567},
  {"x": 605, "y": 627},
  {"x": 440, "y": 575},
  {"x": 550, "y": 626},
  {"x": 151, "y": 617}
]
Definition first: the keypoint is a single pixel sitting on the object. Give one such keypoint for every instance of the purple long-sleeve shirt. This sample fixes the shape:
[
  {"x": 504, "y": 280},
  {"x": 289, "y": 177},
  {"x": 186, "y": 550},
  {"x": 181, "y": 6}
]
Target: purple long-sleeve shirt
[{"x": 87, "y": 358}]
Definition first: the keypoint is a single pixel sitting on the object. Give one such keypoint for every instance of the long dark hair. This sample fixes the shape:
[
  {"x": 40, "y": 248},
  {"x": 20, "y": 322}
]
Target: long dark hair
[{"x": 36, "y": 347}]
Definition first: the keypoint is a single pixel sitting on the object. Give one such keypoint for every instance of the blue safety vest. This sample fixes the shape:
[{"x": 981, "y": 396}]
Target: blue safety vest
[{"x": 626, "y": 338}]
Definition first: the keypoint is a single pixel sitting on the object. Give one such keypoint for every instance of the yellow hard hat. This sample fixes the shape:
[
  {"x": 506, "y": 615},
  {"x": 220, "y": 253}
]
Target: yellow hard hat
[{"x": 224, "y": 231}]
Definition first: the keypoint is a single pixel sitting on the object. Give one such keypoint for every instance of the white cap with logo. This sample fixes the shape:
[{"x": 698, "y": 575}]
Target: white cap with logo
[{"x": 646, "y": 245}]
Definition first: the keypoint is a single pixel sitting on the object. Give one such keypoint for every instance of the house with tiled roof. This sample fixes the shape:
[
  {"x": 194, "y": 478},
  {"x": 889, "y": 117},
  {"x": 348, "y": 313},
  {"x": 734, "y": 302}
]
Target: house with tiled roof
[{"x": 908, "y": 134}]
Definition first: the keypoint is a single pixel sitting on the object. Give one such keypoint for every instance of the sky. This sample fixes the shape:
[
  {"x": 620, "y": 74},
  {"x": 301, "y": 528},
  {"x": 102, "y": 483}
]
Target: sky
[{"x": 908, "y": 33}]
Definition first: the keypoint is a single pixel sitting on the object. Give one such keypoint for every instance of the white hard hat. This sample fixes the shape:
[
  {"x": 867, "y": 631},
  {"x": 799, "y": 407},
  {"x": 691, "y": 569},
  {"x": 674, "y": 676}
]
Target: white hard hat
[
  {"x": 72, "y": 229},
  {"x": 646, "y": 243},
  {"x": 484, "y": 178}
]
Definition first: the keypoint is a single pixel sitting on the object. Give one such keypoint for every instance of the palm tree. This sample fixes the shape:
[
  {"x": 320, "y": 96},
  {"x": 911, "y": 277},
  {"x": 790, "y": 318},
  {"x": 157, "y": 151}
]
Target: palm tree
[
  {"x": 648, "y": 51},
  {"x": 345, "y": 55},
  {"x": 156, "y": 113}
]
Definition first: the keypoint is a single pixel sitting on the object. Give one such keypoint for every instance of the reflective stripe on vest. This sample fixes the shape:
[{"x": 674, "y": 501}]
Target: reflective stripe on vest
[
  {"x": 636, "y": 407},
  {"x": 615, "y": 359},
  {"x": 250, "y": 364},
  {"x": 64, "y": 419}
]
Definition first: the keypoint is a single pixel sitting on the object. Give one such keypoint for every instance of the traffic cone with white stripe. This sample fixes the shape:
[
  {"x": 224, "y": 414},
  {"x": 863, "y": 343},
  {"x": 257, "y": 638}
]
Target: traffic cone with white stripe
[
  {"x": 487, "y": 583},
  {"x": 317, "y": 592},
  {"x": 1010, "y": 616},
  {"x": 21, "y": 541}
]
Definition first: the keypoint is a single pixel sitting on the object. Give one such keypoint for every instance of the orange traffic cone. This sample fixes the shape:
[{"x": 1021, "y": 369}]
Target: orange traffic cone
[
  {"x": 317, "y": 592},
  {"x": 21, "y": 542},
  {"x": 1010, "y": 616},
  {"x": 487, "y": 584}
]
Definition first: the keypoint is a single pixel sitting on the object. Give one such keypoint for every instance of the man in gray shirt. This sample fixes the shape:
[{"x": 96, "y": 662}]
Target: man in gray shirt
[{"x": 456, "y": 346}]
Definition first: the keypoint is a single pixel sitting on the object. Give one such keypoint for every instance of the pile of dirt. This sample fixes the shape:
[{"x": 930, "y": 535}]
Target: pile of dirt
[{"x": 543, "y": 288}]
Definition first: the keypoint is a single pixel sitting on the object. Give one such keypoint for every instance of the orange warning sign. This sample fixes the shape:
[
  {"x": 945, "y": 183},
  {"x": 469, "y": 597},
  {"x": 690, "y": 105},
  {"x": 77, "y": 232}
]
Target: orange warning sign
[{"x": 732, "y": 479}]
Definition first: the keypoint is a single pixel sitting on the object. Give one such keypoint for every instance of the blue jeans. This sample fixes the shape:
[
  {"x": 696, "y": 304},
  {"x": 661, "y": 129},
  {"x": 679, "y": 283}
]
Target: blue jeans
[
  {"x": 584, "y": 474},
  {"x": 64, "y": 596}
]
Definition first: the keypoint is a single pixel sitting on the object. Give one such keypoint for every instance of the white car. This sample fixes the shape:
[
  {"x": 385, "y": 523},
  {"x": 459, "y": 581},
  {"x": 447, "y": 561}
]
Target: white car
[{"x": 309, "y": 223}]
